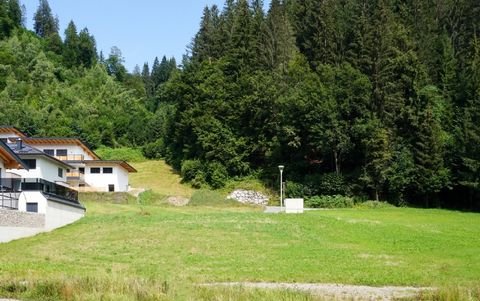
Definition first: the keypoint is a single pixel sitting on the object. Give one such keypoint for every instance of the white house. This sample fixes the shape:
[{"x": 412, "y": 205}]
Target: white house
[
  {"x": 33, "y": 194},
  {"x": 107, "y": 175},
  {"x": 87, "y": 171}
]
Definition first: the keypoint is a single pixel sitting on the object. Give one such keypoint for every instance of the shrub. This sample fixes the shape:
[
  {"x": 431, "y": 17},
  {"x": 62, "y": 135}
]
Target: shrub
[
  {"x": 329, "y": 201},
  {"x": 217, "y": 175},
  {"x": 189, "y": 169},
  {"x": 154, "y": 150},
  {"x": 374, "y": 205},
  {"x": 199, "y": 180},
  {"x": 296, "y": 190},
  {"x": 327, "y": 184},
  {"x": 124, "y": 154}
]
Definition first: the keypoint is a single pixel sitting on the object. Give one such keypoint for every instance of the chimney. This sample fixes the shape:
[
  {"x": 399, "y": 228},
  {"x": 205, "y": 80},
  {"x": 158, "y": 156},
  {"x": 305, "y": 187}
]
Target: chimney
[{"x": 19, "y": 144}]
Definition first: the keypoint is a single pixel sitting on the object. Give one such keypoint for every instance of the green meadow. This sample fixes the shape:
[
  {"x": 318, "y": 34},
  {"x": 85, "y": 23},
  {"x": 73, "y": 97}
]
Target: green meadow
[{"x": 127, "y": 250}]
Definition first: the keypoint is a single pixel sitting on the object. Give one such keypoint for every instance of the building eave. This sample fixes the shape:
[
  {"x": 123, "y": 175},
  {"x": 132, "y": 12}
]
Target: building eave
[
  {"x": 61, "y": 141},
  {"x": 123, "y": 164},
  {"x": 12, "y": 160}
]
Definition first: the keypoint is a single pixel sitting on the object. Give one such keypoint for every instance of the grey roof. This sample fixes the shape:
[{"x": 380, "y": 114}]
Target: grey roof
[{"x": 27, "y": 150}]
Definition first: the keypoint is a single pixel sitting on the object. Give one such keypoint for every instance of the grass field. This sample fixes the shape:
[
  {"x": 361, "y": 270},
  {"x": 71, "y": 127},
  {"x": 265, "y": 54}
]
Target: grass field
[
  {"x": 162, "y": 252},
  {"x": 160, "y": 178},
  {"x": 126, "y": 249}
]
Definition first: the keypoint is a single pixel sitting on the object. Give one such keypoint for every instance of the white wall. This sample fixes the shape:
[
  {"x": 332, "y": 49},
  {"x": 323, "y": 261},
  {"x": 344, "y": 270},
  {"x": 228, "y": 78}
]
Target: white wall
[
  {"x": 45, "y": 169},
  {"x": 56, "y": 214},
  {"x": 71, "y": 149},
  {"x": 119, "y": 177},
  {"x": 32, "y": 197},
  {"x": 2, "y": 168},
  {"x": 59, "y": 215}
]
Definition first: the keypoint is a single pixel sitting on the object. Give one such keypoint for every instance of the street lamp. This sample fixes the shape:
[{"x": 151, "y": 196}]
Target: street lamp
[{"x": 281, "y": 167}]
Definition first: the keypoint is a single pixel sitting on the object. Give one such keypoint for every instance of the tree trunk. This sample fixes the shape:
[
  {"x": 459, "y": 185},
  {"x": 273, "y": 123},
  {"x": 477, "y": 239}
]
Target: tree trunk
[
  {"x": 337, "y": 165},
  {"x": 377, "y": 197}
]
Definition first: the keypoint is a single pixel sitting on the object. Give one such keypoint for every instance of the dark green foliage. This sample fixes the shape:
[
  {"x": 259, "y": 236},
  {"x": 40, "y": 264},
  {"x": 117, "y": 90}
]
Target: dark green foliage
[
  {"x": 381, "y": 95},
  {"x": 217, "y": 175},
  {"x": 376, "y": 99},
  {"x": 190, "y": 169},
  {"x": 329, "y": 201},
  {"x": 155, "y": 149},
  {"x": 46, "y": 25}
]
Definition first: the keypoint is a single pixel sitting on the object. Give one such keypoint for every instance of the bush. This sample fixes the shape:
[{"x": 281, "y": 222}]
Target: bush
[
  {"x": 217, "y": 175},
  {"x": 199, "y": 180},
  {"x": 190, "y": 169},
  {"x": 329, "y": 201},
  {"x": 327, "y": 184},
  {"x": 123, "y": 154},
  {"x": 296, "y": 190},
  {"x": 374, "y": 205},
  {"x": 154, "y": 150}
]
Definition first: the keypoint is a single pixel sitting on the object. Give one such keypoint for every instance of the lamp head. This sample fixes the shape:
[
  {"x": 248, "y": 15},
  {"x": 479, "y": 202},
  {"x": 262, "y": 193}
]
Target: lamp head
[{"x": 281, "y": 167}]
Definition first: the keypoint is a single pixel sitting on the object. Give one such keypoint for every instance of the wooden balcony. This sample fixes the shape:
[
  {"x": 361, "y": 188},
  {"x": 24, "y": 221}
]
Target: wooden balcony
[
  {"x": 75, "y": 175},
  {"x": 71, "y": 158}
]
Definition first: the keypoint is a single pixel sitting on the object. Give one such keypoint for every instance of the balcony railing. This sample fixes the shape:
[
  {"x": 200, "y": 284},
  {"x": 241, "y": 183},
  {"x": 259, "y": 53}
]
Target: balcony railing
[
  {"x": 9, "y": 193},
  {"x": 50, "y": 188},
  {"x": 75, "y": 175},
  {"x": 71, "y": 158},
  {"x": 16, "y": 186}
]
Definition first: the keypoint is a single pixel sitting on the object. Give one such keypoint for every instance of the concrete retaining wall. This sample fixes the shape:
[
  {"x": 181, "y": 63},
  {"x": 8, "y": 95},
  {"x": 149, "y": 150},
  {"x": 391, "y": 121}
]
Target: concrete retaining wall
[{"x": 14, "y": 218}]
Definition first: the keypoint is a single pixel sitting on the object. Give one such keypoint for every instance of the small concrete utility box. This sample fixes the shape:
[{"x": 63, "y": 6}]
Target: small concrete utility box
[{"x": 293, "y": 205}]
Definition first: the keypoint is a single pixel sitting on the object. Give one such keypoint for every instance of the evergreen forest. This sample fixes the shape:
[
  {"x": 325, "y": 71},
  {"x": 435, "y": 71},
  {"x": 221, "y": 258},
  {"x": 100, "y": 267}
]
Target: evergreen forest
[{"x": 375, "y": 99}]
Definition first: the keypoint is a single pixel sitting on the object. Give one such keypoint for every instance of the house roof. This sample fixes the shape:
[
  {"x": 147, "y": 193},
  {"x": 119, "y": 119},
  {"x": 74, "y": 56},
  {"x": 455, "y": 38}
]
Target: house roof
[
  {"x": 61, "y": 140},
  {"x": 123, "y": 164},
  {"x": 10, "y": 159},
  {"x": 7, "y": 129},
  {"x": 28, "y": 151}
]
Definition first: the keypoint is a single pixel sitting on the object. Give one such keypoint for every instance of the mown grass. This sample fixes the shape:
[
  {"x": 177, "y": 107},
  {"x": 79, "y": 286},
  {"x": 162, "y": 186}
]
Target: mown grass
[{"x": 136, "y": 251}]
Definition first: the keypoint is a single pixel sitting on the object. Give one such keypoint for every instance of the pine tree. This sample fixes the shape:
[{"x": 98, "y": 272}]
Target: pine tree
[
  {"x": 87, "y": 50},
  {"x": 71, "y": 46},
  {"x": 315, "y": 31},
  {"x": 378, "y": 159},
  {"x": 45, "y": 23},
  {"x": 429, "y": 149},
  {"x": 278, "y": 41},
  {"x": 15, "y": 13},
  {"x": 147, "y": 81}
]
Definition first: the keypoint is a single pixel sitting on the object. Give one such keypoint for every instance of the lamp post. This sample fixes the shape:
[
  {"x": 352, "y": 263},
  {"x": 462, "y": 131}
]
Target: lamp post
[{"x": 281, "y": 167}]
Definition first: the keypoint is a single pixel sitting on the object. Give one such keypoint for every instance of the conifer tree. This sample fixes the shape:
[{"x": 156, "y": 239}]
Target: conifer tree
[
  {"x": 45, "y": 23},
  {"x": 71, "y": 46},
  {"x": 87, "y": 50},
  {"x": 278, "y": 41}
]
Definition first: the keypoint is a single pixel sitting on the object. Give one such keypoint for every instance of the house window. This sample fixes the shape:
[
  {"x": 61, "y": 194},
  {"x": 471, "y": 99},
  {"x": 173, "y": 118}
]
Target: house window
[
  {"x": 111, "y": 188},
  {"x": 32, "y": 207},
  {"x": 50, "y": 152},
  {"x": 61, "y": 152},
  {"x": 60, "y": 172},
  {"x": 107, "y": 170},
  {"x": 31, "y": 163},
  {"x": 95, "y": 170},
  {"x": 81, "y": 170}
]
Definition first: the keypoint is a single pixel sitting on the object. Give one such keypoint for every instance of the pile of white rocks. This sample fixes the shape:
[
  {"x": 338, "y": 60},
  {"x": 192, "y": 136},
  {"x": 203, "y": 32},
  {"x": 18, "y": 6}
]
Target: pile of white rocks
[{"x": 248, "y": 197}]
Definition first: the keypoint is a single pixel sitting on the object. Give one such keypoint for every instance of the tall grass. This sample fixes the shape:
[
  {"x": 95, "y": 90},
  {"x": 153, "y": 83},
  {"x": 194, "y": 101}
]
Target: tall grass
[
  {"x": 452, "y": 293},
  {"x": 131, "y": 289}
]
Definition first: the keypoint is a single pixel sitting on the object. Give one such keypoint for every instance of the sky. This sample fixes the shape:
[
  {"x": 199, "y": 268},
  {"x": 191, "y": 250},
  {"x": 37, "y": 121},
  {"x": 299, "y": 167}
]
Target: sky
[{"x": 141, "y": 29}]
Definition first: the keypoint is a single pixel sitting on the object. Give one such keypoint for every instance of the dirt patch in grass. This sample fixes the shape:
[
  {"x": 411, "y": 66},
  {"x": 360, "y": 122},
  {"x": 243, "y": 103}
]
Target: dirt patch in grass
[
  {"x": 178, "y": 201},
  {"x": 336, "y": 291}
]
